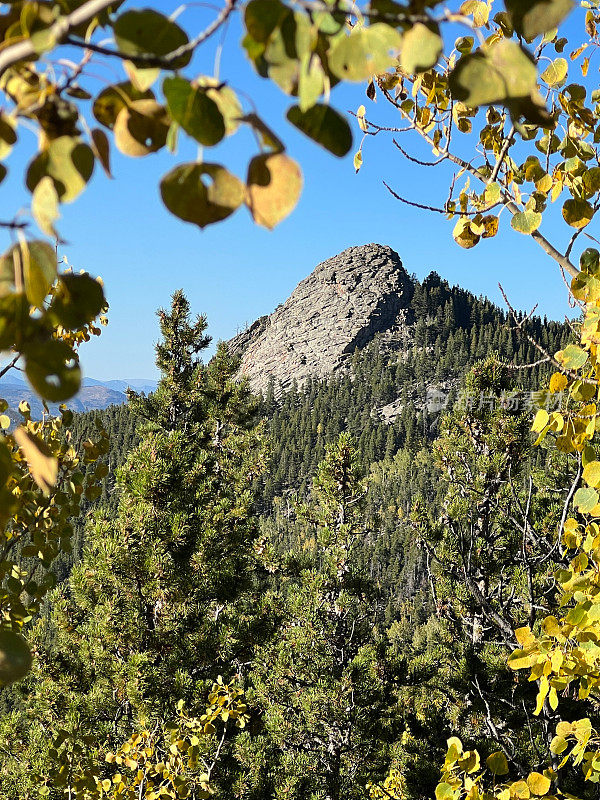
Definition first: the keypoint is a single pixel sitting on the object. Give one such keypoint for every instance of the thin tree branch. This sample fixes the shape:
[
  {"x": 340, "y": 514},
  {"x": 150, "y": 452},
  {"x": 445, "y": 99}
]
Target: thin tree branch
[
  {"x": 24, "y": 50},
  {"x": 166, "y": 61}
]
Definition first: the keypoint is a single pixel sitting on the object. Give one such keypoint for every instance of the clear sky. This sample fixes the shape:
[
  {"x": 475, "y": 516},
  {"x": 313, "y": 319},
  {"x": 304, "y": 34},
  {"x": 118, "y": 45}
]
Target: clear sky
[{"x": 235, "y": 271}]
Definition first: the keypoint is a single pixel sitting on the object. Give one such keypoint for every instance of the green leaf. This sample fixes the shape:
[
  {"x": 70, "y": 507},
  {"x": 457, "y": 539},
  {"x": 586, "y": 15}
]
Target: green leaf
[
  {"x": 497, "y": 763},
  {"x": 311, "y": 82},
  {"x": 39, "y": 271},
  {"x": 526, "y": 221},
  {"x": 147, "y": 31},
  {"x": 572, "y": 357},
  {"x": 38, "y": 262},
  {"x": 422, "y": 45},
  {"x": 227, "y": 101},
  {"x": 558, "y": 745},
  {"x": 325, "y": 126},
  {"x": 577, "y": 213},
  {"x": 585, "y": 499},
  {"x": 70, "y": 164},
  {"x": 77, "y": 301},
  {"x": 443, "y": 791},
  {"x": 532, "y": 17},
  {"x": 114, "y": 98},
  {"x": 499, "y": 72},
  {"x": 365, "y": 52},
  {"x": 15, "y": 657},
  {"x": 262, "y": 17},
  {"x": 194, "y": 110},
  {"x": 141, "y": 128},
  {"x": 52, "y": 369},
  {"x": 201, "y": 193},
  {"x": 591, "y": 181}
]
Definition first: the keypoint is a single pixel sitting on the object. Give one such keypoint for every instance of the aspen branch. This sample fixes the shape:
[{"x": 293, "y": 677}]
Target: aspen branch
[
  {"x": 24, "y": 50},
  {"x": 562, "y": 260},
  {"x": 166, "y": 61}
]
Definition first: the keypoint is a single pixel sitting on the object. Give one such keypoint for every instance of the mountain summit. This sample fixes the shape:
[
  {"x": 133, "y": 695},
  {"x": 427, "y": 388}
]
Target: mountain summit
[{"x": 337, "y": 309}]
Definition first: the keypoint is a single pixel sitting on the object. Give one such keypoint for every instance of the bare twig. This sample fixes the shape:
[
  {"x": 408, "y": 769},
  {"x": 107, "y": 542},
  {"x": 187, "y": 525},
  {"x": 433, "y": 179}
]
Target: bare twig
[{"x": 166, "y": 61}]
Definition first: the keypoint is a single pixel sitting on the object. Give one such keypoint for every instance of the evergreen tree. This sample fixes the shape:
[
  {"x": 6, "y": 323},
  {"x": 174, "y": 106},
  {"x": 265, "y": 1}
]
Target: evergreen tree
[
  {"x": 323, "y": 683},
  {"x": 159, "y": 604}
]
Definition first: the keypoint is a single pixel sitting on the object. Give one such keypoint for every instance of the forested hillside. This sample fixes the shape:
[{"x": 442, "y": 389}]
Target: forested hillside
[{"x": 417, "y": 379}]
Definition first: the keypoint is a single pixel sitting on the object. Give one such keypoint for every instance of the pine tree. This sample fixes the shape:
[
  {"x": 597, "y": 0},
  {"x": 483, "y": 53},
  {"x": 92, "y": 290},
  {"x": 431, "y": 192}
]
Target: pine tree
[
  {"x": 323, "y": 683},
  {"x": 159, "y": 604}
]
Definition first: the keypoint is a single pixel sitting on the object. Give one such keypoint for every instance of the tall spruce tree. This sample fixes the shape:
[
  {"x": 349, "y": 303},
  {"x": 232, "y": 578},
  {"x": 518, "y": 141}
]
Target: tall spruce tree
[
  {"x": 323, "y": 683},
  {"x": 159, "y": 605}
]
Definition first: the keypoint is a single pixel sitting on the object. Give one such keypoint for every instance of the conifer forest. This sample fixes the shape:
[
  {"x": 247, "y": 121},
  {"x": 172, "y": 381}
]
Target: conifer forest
[{"x": 352, "y": 553}]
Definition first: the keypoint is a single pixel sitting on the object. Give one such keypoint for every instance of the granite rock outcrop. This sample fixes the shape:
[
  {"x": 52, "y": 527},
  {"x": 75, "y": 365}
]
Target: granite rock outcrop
[{"x": 340, "y": 307}]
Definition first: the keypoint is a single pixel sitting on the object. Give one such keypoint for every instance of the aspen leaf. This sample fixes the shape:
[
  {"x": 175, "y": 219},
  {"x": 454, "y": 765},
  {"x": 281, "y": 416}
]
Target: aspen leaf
[
  {"x": 201, "y": 193},
  {"x": 558, "y": 745},
  {"x": 262, "y": 17},
  {"x": 101, "y": 148},
  {"x": 558, "y": 382},
  {"x": 577, "y": 213},
  {"x": 146, "y": 31},
  {"x": 591, "y": 474},
  {"x": 497, "y": 763},
  {"x": 365, "y": 52},
  {"x": 42, "y": 464},
  {"x": 591, "y": 181},
  {"x": 274, "y": 185},
  {"x": 422, "y": 45},
  {"x": 500, "y": 72},
  {"x": 141, "y": 77},
  {"x": 325, "y": 126},
  {"x": 541, "y": 420},
  {"x": 226, "y": 100},
  {"x": 463, "y": 234},
  {"x": 15, "y": 657},
  {"x": 114, "y": 98},
  {"x": 141, "y": 128},
  {"x": 572, "y": 357},
  {"x": 532, "y": 17},
  {"x": 44, "y": 206},
  {"x": 70, "y": 164},
  {"x": 193, "y": 109},
  {"x": 358, "y": 160},
  {"x": 491, "y": 224},
  {"x": 526, "y": 221},
  {"x": 77, "y": 301},
  {"x": 551, "y": 626},
  {"x": 538, "y": 784},
  {"x": 556, "y": 72},
  {"x": 585, "y": 499},
  {"x": 443, "y": 791},
  {"x": 519, "y": 659}
]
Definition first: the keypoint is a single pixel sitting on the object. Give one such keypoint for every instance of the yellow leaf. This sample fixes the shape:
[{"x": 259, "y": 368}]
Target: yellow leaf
[
  {"x": 538, "y": 784},
  {"x": 541, "y": 420},
  {"x": 591, "y": 474},
  {"x": 42, "y": 464},
  {"x": 558, "y": 382},
  {"x": 274, "y": 186}
]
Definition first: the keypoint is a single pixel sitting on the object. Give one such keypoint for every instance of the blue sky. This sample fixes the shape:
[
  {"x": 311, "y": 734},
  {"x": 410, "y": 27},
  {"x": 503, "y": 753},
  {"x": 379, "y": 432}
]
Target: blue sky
[{"x": 235, "y": 271}]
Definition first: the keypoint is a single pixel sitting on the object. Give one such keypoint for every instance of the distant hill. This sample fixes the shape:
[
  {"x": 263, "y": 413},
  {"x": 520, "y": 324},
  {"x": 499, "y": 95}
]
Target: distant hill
[{"x": 94, "y": 394}]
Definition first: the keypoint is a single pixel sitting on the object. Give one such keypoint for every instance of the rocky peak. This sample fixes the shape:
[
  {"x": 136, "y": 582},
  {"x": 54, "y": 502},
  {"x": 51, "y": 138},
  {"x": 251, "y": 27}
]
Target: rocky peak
[{"x": 340, "y": 307}]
